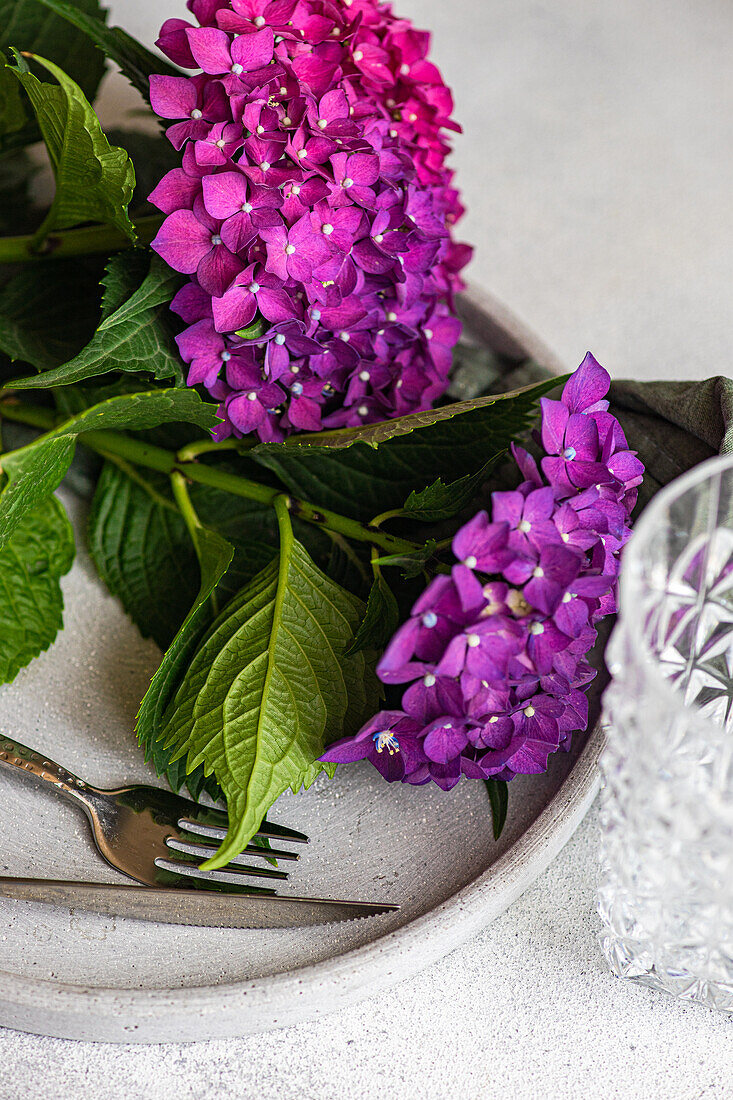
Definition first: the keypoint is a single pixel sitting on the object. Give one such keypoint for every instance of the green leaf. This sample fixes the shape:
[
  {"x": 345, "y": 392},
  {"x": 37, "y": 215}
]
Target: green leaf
[
  {"x": 94, "y": 180},
  {"x": 136, "y": 62},
  {"x": 381, "y": 619},
  {"x": 214, "y": 555},
  {"x": 252, "y": 331},
  {"x": 269, "y": 687},
  {"x": 29, "y": 26},
  {"x": 360, "y": 479},
  {"x": 32, "y": 481},
  {"x": 136, "y": 331},
  {"x": 47, "y": 312},
  {"x": 384, "y": 430},
  {"x": 12, "y": 112},
  {"x": 143, "y": 551},
  {"x": 440, "y": 501},
  {"x": 498, "y": 790},
  {"x": 31, "y": 604},
  {"x": 36, "y": 470},
  {"x": 153, "y": 156},
  {"x": 411, "y": 564}
]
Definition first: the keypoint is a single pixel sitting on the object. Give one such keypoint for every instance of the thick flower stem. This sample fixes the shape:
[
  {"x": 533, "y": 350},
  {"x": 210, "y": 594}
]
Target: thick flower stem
[
  {"x": 110, "y": 444},
  {"x": 76, "y": 242}
]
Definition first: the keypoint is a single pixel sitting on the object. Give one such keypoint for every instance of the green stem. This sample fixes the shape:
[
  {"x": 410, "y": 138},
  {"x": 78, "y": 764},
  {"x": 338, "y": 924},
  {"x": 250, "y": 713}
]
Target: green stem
[
  {"x": 205, "y": 446},
  {"x": 76, "y": 242},
  {"x": 183, "y": 500},
  {"x": 110, "y": 444}
]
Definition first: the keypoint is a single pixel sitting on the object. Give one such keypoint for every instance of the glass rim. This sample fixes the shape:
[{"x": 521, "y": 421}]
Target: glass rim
[{"x": 630, "y": 585}]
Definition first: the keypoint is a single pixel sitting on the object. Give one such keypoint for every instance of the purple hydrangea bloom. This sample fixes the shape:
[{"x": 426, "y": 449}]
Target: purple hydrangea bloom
[
  {"x": 494, "y": 656},
  {"x": 313, "y": 187}
]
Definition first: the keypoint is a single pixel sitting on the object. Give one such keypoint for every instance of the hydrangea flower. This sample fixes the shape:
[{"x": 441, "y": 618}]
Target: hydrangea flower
[
  {"x": 495, "y": 655},
  {"x": 312, "y": 196}
]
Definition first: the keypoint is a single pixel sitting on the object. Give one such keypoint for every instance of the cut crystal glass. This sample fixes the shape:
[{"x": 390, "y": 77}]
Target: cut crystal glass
[{"x": 666, "y": 893}]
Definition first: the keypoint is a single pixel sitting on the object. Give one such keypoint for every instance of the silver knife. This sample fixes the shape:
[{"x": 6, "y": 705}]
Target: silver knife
[{"x": 172, "y": 905}]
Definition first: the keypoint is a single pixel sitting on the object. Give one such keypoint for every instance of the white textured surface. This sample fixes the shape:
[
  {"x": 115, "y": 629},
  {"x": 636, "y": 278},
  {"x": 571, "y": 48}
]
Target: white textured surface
[{"x": 596, "y": 165}]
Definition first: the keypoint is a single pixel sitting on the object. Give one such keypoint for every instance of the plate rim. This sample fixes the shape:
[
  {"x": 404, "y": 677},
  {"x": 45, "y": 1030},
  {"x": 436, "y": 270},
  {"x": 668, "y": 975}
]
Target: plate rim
[{"x": 197, "y": 1013}]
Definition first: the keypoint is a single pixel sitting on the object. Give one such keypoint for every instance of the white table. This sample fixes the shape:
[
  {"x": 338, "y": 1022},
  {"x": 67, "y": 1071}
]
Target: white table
[{"x": 596, "y": 167}]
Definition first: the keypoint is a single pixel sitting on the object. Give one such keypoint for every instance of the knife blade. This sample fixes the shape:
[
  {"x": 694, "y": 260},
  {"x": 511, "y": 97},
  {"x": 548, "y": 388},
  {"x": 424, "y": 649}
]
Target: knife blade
[{"x": 171, "y": 905}]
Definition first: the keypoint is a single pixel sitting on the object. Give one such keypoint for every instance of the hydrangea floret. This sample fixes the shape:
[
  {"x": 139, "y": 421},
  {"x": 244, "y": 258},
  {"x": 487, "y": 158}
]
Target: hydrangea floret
[
  {"x": 313, "y": 197},
  {"x": 496, "y": 653}
]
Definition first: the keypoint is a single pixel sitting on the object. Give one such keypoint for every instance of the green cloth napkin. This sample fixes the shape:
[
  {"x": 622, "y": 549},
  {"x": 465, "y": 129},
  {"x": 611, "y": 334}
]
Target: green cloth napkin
[{"x": 674, "y": 425}]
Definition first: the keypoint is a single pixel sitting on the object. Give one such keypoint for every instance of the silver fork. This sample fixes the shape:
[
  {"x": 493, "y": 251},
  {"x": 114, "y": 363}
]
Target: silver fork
[{"x": 154, "y": 836}]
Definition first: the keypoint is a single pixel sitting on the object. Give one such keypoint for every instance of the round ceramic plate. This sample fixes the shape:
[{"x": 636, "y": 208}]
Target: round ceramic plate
[{"x": 83, "y": 976}]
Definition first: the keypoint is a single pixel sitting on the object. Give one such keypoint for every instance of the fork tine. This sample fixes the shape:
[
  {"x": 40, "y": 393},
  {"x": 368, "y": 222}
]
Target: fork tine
[
  {"x": 214, "y": 823},
  {"x": 205, "y": 851},
  {"x": 226, "y": 874}
]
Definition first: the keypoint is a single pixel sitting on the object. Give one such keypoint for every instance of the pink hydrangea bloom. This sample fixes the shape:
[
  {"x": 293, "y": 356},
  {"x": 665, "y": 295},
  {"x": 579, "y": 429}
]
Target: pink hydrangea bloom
[
  {"x": 313, "y": 195},
  {"x": 495, "y": 655}
]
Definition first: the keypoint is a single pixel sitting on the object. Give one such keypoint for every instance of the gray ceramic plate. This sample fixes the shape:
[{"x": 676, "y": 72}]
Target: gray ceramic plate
[{"x": 82, "y": 976}]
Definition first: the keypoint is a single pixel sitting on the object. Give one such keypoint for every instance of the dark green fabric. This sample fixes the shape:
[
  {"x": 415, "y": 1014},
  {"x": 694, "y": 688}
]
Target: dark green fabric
[{"x": 674, "y": 425}]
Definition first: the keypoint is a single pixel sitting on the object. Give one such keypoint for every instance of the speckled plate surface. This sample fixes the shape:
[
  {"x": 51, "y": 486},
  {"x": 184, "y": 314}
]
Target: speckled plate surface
[{"x": 83, "y": 976}]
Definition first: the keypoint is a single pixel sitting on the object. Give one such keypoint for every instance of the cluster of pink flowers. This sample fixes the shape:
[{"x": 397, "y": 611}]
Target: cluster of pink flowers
[
  {"x": 496, "y": 653},
  {"x": 313, "y": 196}
]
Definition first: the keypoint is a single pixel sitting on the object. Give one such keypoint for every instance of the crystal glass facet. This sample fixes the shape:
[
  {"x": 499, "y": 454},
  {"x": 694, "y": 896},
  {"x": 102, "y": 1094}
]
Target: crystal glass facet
[{"x": 666, "y": 894}]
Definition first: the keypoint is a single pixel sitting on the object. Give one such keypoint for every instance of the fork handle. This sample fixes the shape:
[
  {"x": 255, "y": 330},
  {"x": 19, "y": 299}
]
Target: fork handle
[{"x": 15, "y": 755}]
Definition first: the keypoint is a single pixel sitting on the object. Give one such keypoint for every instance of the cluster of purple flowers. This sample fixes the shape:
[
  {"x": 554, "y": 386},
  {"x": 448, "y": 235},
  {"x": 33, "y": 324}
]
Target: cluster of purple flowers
[
  {"x": 313, "y": 195},
  {"x": 496, "y": 653}
]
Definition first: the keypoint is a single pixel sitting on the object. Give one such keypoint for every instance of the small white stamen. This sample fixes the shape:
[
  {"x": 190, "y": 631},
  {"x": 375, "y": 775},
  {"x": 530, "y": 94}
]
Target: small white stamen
[
  {"x": 398, "y": 384},
  {"x": 287, "y": 121},
  {"x": 470, "y": 562},
  {"x": 295, "y": 369},
  {"x": 265, "y": 165},
  {"x": 226, "y": 356},
  {"x": 259, "y": 21},
  {"x": 302, "y": 154},
  {"x": 428, "y": 333},
  {"x": 246, "y": 208},
  {"x": 428, "y": 679},
  {"x": 297, "y": 388},
  {"x": 494, "y": 717},
  {"x": 472, "y": 640},
  {"x": 404, "y": 68},
  {"x": 538, "y": 572},
  {"x": 348, "y": 182},
  {"x": 251, "y": 396},
  {"x": 524, "y": 526},
  {"x": 529, "y": 711},
  {"x": 327, "y": 229},
  {"x": 220, "y": 143},
  {"x": 289, "y": 249},
  {"x": 358, "y": 56},
  {"x": 363, "y": 410},
  {"x": 322, "y": 123},
  {"x": 260, "y": 129},
  {"x": 345, "y": 337},
  {"x": 279, "y": 339},
  {"x": 295, "y": 189},
  {"x": 315, "y": 314},
  {"x": 215, "y": 239},
  {"x": 364, "y": 375},
  {"x": 429, "y": 619},
  {"x": 391, "y": 316},
  {"x": 379, "y": 238},
  {"x": 567, "y": 597},
  {"x": 195, "y": 113},
  {"x": 537, "y": 628},
  {"x": 253, "y": 288},
  {"x": 565, "y": 537}
]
